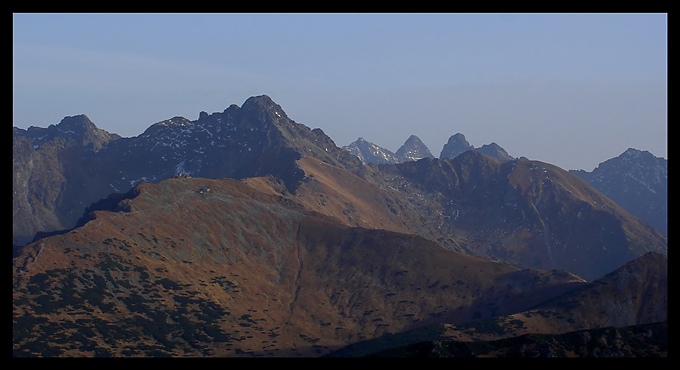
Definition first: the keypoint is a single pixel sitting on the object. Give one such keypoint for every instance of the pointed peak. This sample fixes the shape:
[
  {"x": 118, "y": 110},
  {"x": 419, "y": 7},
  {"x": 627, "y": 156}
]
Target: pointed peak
[
  {"x": 413, "y": 150},
  {"x": 456, "y": 145},
  {"x": 414, "y": 141}
]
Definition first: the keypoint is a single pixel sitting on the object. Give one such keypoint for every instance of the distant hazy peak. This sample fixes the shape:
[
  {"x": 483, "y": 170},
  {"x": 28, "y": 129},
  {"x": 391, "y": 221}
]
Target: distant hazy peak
[
  {"x": 458, "y": 137},
  {"x": 635, "y": 153},
  {"x": 78, "y": 128},
  {"x": 413, "y": 140},
  {"x": 370, "y": 153},
  {"x": 494, "y": 150},
  {"x": 413, "y": 150},
  {"x": 456, "y": 145}
]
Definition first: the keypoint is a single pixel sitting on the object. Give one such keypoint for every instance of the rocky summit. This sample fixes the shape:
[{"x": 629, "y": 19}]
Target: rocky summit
[{"x": 244, "y": 233}]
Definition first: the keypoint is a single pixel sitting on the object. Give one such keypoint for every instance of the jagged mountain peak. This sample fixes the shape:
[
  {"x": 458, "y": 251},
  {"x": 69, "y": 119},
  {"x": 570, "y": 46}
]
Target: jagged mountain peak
[
  {"x": 413, "y": 150},
  {"x": 370, "y": 153},
  {"x": 458, "y": 138},
  {"x": 256, "y": 139},
  {"x": 413, "y": 140},
  {"x": 456, "y": 145}
]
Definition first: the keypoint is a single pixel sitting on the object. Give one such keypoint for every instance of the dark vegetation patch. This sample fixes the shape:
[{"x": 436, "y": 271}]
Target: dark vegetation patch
[{"x": 149, "y": 328}]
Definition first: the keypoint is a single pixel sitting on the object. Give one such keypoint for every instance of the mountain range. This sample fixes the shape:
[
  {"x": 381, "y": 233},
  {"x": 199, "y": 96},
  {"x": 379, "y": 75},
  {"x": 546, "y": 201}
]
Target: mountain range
[
  {"x": 236, "y": 143},
  {"x": 414, "y": 149},
  {"x": 244, "y": 233}
]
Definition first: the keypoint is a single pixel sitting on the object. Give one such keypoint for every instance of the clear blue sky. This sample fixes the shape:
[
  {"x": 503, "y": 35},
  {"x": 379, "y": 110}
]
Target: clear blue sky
[{"x": 568, "y": 89}]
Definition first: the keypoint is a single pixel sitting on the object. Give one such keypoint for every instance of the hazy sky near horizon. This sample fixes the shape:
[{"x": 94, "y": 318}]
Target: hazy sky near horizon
[{"x": 568, "y": 89}]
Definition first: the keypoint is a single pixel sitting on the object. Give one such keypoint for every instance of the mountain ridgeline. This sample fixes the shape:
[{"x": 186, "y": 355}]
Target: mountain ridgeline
[
  {"x": 244, "y": 233},
  {"x": 252, "y": 140},
  {"x": 638, "y": 182},
  {"x": 414, "y": 149}
]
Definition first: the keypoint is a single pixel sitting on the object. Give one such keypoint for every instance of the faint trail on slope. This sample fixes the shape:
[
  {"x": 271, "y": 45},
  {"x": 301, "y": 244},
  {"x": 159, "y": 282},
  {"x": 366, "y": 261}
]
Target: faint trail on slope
[
  {"x": 396, "y": 254},
  {"x": 297, "y": 277},
  {"x": 546, "y": 236}
]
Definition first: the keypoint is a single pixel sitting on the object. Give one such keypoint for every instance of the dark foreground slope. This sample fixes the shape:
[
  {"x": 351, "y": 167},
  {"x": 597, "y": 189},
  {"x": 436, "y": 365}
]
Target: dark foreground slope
[
  {"x": 640, "y": 341},
  {"x": 198, "y": 267},
  {"x": 633, "y": 299}
]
